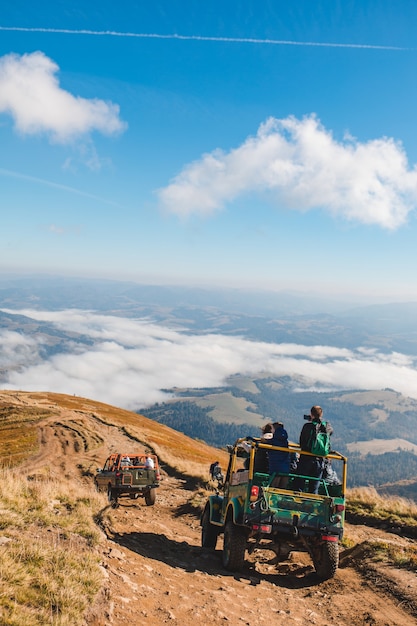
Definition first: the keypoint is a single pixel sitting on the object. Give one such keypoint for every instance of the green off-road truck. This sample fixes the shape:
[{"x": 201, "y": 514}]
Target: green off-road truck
[
  {"x": 253, "y": 515},
  {"x": 129, "y": 475}
]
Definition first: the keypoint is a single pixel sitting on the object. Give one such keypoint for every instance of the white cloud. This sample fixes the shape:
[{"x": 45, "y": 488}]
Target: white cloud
[
  {"x": 298, "y": 164},
  {"x": 130, "y": 361},
  {"x": 17, "y": 350},
  {"x": 30, "y": 93}
]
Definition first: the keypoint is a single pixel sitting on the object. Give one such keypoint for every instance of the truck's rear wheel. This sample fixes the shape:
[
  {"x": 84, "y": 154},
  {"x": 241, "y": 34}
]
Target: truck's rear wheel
[
  {"x": 209, "y": 533},
  {"x": 234, "y": 547},
  {"x": 150, "y": 497},
  {"x": 326, "y": 559}
]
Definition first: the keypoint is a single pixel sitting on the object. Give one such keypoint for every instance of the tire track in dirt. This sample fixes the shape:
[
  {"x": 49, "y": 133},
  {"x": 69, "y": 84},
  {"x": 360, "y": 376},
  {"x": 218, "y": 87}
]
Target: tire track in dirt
[
  {"x": 158, "y": 570},
  {"x": 157, "y": 573}
]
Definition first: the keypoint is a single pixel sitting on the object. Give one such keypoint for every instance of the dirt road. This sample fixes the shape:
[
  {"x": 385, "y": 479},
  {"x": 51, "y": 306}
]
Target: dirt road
[
  {"x": 155, "y": 571},
  {"x": 158, "y": 572}
]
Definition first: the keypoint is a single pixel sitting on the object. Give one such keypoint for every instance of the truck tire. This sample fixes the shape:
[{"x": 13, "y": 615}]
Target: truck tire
[
  {"x": 234, "y": 547},
  {"x": 150, "y": 497},
  {"x": 111, "y": 496},
  {"x": 326, "y": 559},
  {"x": 209, "y": 533}
]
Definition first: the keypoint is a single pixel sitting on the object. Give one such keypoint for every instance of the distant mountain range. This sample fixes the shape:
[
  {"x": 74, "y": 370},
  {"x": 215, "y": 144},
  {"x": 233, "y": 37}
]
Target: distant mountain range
[{"x": 259, "y": 315}]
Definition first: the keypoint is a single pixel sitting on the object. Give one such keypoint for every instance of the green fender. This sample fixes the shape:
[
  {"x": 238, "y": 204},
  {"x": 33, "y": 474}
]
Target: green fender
[
  {"x": 234, "y": 511},
  {"x": 215, "y": 504}
]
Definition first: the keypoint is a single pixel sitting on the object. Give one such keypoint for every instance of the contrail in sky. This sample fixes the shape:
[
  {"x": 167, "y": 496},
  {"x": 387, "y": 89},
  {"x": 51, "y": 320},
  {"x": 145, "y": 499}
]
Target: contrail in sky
[
  {"x": 274, "y": 42},
  {"x": 48, "y": 183}
]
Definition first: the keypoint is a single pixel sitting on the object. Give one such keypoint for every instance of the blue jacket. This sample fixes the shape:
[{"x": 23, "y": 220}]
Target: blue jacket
[{"x": 279, "y": 461}]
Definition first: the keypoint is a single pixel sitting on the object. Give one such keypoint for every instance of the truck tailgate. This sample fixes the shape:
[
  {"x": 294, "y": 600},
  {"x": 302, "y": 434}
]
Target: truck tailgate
[{"x": 302, "y": 510}]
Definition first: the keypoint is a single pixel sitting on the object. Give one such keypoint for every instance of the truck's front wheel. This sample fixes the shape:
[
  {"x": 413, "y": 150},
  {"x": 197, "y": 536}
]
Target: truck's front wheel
[
  {"x": 234, "y": 547},
  {"x": 209, "y": 533},
  {"x": 150, "y": 497},
  {"x": 111, "y": 496},
  {"x": 326, "y": 559}
]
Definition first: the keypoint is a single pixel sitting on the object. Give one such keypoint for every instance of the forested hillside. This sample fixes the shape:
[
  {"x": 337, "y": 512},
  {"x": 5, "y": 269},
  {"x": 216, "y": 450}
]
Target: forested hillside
[
  {"x": 196, "y": 422},
  {"x": 355, "y": 416}
]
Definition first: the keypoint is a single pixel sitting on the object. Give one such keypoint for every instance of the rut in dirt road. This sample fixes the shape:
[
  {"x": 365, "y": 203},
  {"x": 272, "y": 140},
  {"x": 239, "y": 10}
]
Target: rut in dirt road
[
  {"x": 157, "y": 568},
  {"x": 154, "y": 568}
]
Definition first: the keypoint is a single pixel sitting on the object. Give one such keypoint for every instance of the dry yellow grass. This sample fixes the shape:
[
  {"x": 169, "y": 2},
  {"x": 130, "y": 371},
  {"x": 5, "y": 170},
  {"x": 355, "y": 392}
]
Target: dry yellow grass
[
  {"x": 405, "y": 556},
  {"x": 44, "y": 528},
  {"x": 18, "y": 432},
  {"x": 180, "y": 452},
  {"x": 367, "y": 501}
]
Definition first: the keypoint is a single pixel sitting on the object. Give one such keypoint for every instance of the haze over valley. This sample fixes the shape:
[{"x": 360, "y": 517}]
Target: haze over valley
[{"x": 143, "y": 348}]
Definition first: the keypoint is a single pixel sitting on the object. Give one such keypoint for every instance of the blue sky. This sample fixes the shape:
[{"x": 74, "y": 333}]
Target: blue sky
[{"x": 252, "y": 144}]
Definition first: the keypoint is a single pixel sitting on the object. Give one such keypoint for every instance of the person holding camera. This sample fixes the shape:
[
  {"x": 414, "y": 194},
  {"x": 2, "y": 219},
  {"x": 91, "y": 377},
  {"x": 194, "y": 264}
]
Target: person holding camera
[{"x": 311, "y": 466}]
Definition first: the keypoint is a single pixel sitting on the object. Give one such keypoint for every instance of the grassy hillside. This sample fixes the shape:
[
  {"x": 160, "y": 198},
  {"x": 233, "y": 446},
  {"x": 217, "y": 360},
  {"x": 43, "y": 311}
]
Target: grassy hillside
[
  {"x": 21, "y": 413},
  {"x": 18, "y": 431},
  {"x": 51, "y": 445},
  {"x": 45, "y": 527}
]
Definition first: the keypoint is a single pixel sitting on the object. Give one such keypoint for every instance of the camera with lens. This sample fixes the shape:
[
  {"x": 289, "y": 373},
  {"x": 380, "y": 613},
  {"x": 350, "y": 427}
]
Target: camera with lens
[{"x": 307, "y": 417}]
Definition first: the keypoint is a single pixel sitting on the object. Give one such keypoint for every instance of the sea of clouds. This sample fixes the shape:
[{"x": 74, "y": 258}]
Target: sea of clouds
[{"x": 133, "y": 363}]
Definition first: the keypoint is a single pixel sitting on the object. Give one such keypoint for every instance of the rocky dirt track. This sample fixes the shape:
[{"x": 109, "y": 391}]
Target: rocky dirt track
[
  {"x": 158, "y": 571},
  {"x": 155, "y": 571}
]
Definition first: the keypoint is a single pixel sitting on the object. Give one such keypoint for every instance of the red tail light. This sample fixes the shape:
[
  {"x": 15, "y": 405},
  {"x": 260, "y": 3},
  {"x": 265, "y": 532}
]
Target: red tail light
[
  {"x": 254, "y": 493},
  {"x": 264, "y": 528}
]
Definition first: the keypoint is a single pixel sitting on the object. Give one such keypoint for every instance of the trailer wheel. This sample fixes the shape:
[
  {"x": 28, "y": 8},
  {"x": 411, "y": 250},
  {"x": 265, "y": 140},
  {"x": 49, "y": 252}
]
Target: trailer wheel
[
  {"x": 326, "y": 559},
  {"x": 234, "y": 547},
  {"x": 209, "y": 533}
]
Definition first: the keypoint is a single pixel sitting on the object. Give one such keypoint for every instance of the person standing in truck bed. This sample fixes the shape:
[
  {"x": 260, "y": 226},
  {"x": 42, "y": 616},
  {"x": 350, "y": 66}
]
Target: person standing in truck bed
[
  {"x": 279, "y": 460},
  {"x": 261, "y": 456},
  {"x": 311, "y": 465}
]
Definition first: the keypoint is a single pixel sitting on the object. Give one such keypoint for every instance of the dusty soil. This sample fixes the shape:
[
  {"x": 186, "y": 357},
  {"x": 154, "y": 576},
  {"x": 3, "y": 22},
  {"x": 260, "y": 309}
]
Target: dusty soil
[
  {"x": 158, "y": 570},
  {"x": 154, "y": 570}
]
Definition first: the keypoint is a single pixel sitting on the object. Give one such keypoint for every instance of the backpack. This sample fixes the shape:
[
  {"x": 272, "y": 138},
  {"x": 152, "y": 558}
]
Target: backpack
[{"x": 319, "y": 441}]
